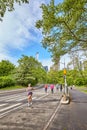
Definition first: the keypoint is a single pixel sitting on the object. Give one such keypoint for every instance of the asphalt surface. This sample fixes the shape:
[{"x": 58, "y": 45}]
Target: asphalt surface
[
  {"x": 16, "y": 115},
  {"x": 46, "y": 113},
  {"x": 72, "y": 116}
]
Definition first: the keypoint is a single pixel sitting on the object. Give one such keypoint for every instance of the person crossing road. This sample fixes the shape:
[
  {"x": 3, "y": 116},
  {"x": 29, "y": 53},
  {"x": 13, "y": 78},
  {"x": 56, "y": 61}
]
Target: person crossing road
[
  {"x": 52, "y": 88},
  {"x": 30, "y": 93},
  {"x": 46, "y": 87}
]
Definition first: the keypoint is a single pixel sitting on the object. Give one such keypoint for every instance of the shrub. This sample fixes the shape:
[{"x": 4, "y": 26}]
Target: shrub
[
  {"x": 80, "y": 81},
  {"x": 6, "y": 81},
  {"x": 70, "y": 81}
]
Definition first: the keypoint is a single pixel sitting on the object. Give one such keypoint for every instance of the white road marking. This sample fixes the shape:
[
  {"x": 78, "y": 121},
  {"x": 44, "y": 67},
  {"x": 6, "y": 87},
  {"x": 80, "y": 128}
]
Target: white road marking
[
  {"x": 21, "y": 99},
  {"x": 15, "y": 98},
  {"x": 10, "y": 107},
  {"x": 42, "y": 97},
  {"x": 3, "y": 105},
  {"x": 5, "y": 113},
  {"x": 25, "y": 98},
  {"x": 12, "y": 96},
  {"x": 34, "y": 97},
  {"x": 52, "y": 117}
]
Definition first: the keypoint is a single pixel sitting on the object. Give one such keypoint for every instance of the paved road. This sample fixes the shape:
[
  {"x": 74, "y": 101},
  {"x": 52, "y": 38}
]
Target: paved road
[
  {"x": 39, "y": 117},
  {"x": 11, "y": 100},
  {"x": 72, "y": 116},
  {"x": 16, "y": 115}
]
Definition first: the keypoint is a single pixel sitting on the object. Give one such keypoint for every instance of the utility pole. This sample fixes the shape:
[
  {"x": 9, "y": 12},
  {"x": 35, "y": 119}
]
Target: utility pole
[{"x": 65, "y": 83}]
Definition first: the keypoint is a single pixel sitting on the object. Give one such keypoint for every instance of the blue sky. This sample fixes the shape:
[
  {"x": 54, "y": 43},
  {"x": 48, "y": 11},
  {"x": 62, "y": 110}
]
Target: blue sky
[{"x": 18, "y": 35}]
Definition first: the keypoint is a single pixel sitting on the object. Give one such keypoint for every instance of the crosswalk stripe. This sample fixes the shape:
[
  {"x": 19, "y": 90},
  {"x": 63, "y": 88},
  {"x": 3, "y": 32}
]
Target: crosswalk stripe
[
  {"x": 10, "y": 107},
  {"x": 16, "y": 98},
  {"x": 12, "y": 96},
  {"x": 34, "y": 97},
  {"x": 21, "y": 99},
  {"x": 3, "y": 105}
]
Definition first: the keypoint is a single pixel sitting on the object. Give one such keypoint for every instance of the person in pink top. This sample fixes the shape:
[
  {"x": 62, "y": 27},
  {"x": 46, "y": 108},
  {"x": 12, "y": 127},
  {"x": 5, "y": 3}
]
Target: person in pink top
[{"x": 52, "y": 88}]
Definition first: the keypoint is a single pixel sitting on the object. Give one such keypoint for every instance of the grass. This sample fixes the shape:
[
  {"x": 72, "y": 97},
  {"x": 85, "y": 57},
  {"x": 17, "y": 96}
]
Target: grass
[
  {"x": 12, "y": 88},
  {"x": 82, "y": 88}
]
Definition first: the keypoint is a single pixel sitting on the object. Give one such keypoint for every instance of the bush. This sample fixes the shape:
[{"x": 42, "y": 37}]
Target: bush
[
  {"x": 70, "y": 81},
  {"x": 80, "y": 81},
  {"x": 6, "y": 81}
]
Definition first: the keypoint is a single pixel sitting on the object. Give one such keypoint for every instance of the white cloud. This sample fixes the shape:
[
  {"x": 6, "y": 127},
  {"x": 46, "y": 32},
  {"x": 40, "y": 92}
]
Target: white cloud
[{"x": 17, "y": 26}]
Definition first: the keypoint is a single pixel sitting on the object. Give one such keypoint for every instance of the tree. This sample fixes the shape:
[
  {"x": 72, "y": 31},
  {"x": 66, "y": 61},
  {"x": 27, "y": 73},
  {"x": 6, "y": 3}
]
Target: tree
[
  {"x": 6, "y": 67},
  {"x": 64, "y": 27},
  {"x": 55, "y": 77},
  {"x": 9, "y": 5},
  {"x": 6, "y": 73},
  {"x": 28, "y": 70},
  {"x": 40, "y": 74}
]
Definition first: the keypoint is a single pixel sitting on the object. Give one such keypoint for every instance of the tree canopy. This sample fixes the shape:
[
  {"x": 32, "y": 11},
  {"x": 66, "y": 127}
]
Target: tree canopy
[
  {"x": 64, "y": 26},
  {"x": 9, "y": 5},
  {"x": 29, "y": 70},
  {"x": 6, "y": 67}
]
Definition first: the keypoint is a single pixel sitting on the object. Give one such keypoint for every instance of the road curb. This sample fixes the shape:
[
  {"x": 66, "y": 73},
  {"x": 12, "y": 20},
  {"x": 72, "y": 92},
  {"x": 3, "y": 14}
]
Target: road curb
[{"x": 65, "y": 99}]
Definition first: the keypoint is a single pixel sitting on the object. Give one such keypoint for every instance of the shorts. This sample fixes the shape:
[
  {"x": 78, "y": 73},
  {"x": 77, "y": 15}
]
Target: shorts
[{"x": 30, "y": 93}]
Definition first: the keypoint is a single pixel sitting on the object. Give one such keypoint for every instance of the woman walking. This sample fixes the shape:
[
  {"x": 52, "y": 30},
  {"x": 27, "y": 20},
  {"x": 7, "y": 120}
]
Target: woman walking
[
  {"x": 46, "y": 87},
  {"x": 52, "y": 88}
]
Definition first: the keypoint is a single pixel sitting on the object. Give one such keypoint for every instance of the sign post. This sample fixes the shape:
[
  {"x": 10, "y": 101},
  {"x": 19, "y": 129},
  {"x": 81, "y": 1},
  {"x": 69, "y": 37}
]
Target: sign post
[{"x": 66, "y": 88}]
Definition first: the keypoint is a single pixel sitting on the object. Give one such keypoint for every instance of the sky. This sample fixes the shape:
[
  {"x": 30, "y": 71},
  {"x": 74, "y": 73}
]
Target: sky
[{"x": 19, "y": 36}]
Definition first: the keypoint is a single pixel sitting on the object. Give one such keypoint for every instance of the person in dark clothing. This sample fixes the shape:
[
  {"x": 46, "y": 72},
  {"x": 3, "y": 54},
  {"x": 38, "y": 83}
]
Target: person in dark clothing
[
  {"x": 46, "y": 87},
  {"x": 60, "y": 87}
]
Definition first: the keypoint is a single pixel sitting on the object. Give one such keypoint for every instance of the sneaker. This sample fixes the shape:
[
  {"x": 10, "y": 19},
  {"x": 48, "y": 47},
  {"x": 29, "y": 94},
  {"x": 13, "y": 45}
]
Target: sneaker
[{"x": 31, "y": 103}]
